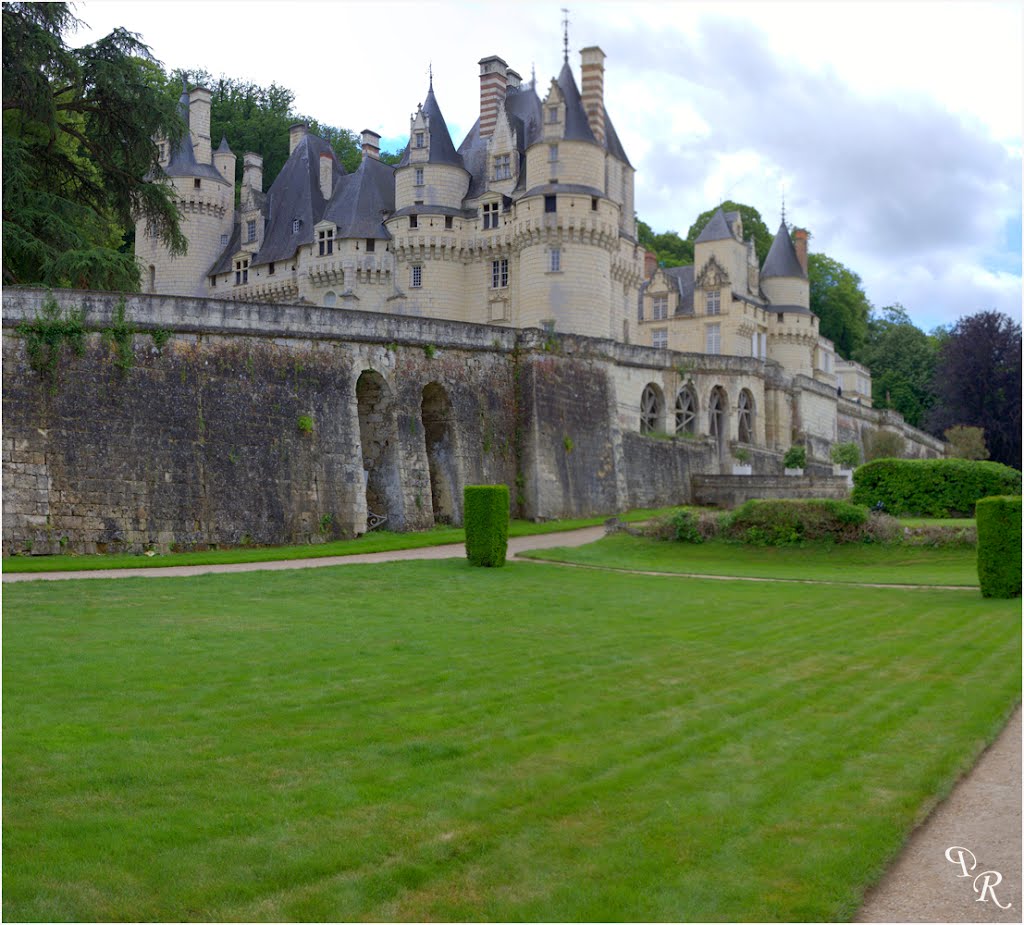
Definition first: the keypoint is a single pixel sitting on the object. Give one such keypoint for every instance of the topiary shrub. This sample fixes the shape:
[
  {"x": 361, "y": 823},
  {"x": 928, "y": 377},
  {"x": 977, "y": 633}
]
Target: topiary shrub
[
  {"x": 485, "y": 512},
  {"x": 846, "y": 455},
  {"x": 791, "y": 522},
  {"x": 999, "y": 538},
  {"x": 931, "y": 487},
  {"x": 795, "y": 458}
]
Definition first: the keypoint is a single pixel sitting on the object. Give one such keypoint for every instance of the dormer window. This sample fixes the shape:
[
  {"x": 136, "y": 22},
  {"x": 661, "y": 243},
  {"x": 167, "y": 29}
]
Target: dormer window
[
  {"x": 371, "y": 245},
  {"x": 250, "y": 230},
  {"x": 490, "y": 211},
  {"x": 241, "y": 272},
  {"x": 419, "y": 139},
  {"x": 325, "y": 239},
  {"x": 713, "y": 302},
  {"x": 503, "y": 167},
  {"x": 660, "y": 307},
  {"x": 296, "y": 225},
  {"x": 552, "y": 113}
]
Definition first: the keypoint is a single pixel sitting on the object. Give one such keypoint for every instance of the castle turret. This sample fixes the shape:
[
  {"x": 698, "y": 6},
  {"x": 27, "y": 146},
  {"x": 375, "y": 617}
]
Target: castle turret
[
  {"x": 224, "y": 160},
  {"x": 793, "y": 328}
]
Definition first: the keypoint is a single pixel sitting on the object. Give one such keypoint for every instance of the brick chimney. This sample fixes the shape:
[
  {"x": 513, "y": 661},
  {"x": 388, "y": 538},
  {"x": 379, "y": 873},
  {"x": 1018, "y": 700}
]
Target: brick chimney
[
  {"x": 295, "y": 134},
  {"x": 592, "y": 89},
  {"x": 252, "y": 171},
  {"x": 493, "y": 81},
  {"x": 800, "y": 237},
  {"x": 199, "y": 124},
  {"x": 650, "y": 263},
  {"x": 371, "y": 143},
  {"x": 326, "y": 175}
]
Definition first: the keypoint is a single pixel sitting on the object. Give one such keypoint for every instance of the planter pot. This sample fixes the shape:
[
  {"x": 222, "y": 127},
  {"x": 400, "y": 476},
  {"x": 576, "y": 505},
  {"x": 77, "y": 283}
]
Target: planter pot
[
  {"x": 794, "y": 472},
  {"x": 845, "y": 473},
  {"x": 742, "y": 469}
]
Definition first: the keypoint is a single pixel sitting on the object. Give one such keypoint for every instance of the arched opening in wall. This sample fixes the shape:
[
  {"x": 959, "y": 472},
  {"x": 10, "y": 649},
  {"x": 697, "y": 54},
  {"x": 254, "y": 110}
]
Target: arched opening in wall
[
  {"x": 686, "y": 411},
  {"x": 652, "y": 409},
  {"x": 745, "y": 413},
  {"x": 378, "y": 435},
  {"x": 330, "y": 299},
  {"x": 718, "y": 418},
  {"x": 436, "y": 414},
  {"x": 152, "y": 278}
]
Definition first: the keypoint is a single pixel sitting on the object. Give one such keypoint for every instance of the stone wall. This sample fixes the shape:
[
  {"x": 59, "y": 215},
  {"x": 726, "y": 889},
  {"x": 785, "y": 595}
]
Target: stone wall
[{"x": 729, "y": 491}]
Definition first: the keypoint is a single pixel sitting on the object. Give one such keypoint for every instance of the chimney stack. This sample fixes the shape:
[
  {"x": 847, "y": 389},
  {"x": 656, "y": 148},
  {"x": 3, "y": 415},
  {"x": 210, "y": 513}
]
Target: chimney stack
[
  {"x": 650, "y": 263},
  {"x": 515, "y": 80},
  {"x": 493, "y": 82},
  {"x": 252, "y": 172},
  {"x": 295, "y": 134},
  {"x": 592, "y": 90},
  {"x": 371, "y": 144},
  {"x": 199, "y": 124},
  {"x": 326, "y": 175},
  {"x": 800, "y": 237}
]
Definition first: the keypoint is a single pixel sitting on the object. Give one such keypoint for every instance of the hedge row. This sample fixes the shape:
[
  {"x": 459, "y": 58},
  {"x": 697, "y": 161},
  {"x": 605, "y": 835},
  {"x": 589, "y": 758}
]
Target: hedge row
[
  {"x": 788, "y": 522},
  {"x": 485, "y": 514},
  {"x": 999, "y": 545},
  {"x": 932, "y": 487}
]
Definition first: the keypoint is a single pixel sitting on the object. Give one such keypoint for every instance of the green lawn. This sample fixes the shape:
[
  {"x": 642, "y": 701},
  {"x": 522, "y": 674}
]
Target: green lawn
[
  {"x": 378, "y": 541},
  {"x": 903, "y": 565},
  {"x": 425, "y": 740}
]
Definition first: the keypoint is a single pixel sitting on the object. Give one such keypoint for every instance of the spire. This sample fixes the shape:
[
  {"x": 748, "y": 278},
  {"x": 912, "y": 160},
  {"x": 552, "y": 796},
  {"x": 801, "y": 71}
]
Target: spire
[
  {"x": 577, "y": 125},
  {"x": 430, "y": 72},
  {"x": 565, "y": 34},
  {"x": 782, "y": 259},
  {"x": 224, "y": 148}
]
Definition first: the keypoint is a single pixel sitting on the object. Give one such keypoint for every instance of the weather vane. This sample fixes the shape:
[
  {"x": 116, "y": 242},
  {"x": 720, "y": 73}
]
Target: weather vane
[{"x": 565, "y": 34}]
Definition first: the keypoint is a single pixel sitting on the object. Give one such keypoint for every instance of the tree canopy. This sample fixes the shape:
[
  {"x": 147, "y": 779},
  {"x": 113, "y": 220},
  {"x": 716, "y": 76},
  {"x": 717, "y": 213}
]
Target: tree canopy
[
  {"x": 78, "y": 151},
  {"x": 901, "y": 358},
  {"x": 839, "y": 302},
  {"x": 671, "y": 250},
  {"x": 753, "y": 226},
  {"x": 978, "y": 382}
]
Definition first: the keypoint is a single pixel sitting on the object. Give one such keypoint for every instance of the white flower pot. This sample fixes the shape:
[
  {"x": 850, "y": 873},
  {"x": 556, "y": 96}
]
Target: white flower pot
[
  {"x": 794, "y": 472},
  {"x": 742, "y": 469}
]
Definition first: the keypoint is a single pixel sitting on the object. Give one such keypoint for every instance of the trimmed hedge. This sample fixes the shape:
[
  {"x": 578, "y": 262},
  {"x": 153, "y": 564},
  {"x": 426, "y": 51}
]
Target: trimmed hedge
[
  {"x": 485, "y": 512},
  {"x": 790, "y": 522},
  {"x": 932, "y": 487},
  {"x": 999, "y": 545}
]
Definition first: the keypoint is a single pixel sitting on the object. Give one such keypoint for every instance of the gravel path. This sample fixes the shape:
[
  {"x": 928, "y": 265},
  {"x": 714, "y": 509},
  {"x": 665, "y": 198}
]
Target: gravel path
[{"x": 982, "y": 814}]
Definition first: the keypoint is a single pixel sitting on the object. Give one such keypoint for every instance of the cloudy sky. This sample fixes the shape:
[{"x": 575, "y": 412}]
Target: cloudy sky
[{"x": 892, "y": 129}]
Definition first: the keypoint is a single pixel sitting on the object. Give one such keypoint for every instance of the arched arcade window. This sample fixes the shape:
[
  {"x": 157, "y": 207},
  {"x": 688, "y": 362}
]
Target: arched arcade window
[
  {"x": 651, "y": 408},
  {"x": 745, "y": 410},
  {"x": 686, "y": 411}
]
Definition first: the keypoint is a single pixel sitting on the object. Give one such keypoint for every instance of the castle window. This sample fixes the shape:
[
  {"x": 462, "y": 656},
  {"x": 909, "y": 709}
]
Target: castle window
[
  {"x": 371, "y": 245},
  {"x": 659, "y": 338},
  {"x": 548, "y": 327},
  {"x": 651, "y": 406},
  {"x": 660, "y": 307},
  {"x": 555, "y": 260},
  {"x": 552, "y": 153},
  {"x": 713, "y": 338},
  {"x": 552, "y": 113},
  {"x": 593, "y": 203},
  {"x": 325, "y": 239},
  {"x": 241, "y": 272},
  {"x": 296, "y": 225},
  {"x": 745, "y": 411},
  {"x": 416, "y": 279},
  {"x": 499, "y": 273},
  {"x": 550, "y": 203},
  {"x": 250, "y": 229},
  {"x": 270, "y": 269},
  {"x": 448, "y": 222},
  {"x": 686, "y": 412},
  {"x": 419, "y": 176},
  {"x": 419, "y": 139},
  {"x": 223, "y": 240},
  {"x": 414, "y": 221},
  {"x": 503, "y": 167},
  {"x": 490, "y": 215},
  {"x": 197, "y": 183},
  {"x": 713, "y": 302}
]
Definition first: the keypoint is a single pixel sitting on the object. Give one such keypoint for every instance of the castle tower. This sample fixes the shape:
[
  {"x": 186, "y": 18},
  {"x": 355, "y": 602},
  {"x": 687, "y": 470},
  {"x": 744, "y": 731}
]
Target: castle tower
[
  {"x": 205, "y": 198},
  {"x": 793, "y": 327}
]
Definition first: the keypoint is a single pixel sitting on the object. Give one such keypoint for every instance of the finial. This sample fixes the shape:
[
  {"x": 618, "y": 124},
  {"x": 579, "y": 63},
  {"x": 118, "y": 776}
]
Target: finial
[
  {"x": 565, "y": 34},
  {"x": 783, "y": 203},
  {"x": 430, "y": 72},
  {"x": 533, "y": 75}
]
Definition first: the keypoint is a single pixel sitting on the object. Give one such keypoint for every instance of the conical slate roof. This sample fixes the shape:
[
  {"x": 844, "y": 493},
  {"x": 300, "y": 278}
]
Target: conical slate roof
[
  {"x": 224, "y": 147},
  {"x": 577, "y": 125},
  {"x": 183, "y": 157},
  {"x": 442, "y": 150},
  {"x": 782, "y": 259},
  {"x": 357, "y": 208},
  {"x": 715, "y": 230}
]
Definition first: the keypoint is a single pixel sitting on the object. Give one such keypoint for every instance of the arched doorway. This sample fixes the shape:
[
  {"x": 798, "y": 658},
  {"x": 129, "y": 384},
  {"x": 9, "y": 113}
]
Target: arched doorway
[
  {"x": 718, "y": 419},
  {"x": 686, "y": 411},
  {"x": 435, "y": 412},
  {"x": 378, "y": 435}
]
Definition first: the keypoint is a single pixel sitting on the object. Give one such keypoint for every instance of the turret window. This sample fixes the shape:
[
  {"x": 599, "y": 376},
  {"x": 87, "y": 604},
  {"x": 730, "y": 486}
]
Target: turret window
[
  {"x": 550, "y": 203},
  {"x": 416, "y": 276},
  {"x": 555, "y": 260},
  {"x": 499, "y": 273},
  {"x": 713, "y": 302},
  {"x": 448, "y": 222},
  {"x": 419, "y": 176},
  {"x": 552, "y": 114},
  {"x": 325, "y": 239},
  {"x": 503, "y": 167},
  {"x": 419, "y": 139},
  {"x": 552, "y": 153},
  {"x": 197, "y": 183},
  {"x": 490, "y": 211},
  {"x": 414, "y": 221},
  {"x": 223, "y": 239},
  {"x": 250, "y": 230},
  {"x": 660, "y": 307}
]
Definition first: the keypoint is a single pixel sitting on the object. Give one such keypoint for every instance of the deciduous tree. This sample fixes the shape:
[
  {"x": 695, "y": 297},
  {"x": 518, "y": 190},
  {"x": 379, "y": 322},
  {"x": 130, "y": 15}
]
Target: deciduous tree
[
  {"x": 753, "y": 226},
  {"x": 839, "y": 302}
]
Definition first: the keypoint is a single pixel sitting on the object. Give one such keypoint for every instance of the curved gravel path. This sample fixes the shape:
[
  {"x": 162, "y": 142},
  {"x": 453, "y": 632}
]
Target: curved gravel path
[{"x": 982, "y": 814}]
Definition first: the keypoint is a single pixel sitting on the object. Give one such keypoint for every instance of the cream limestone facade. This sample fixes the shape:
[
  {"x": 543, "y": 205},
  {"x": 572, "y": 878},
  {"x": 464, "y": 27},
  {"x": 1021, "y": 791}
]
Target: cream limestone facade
[{"x": 529, "y": 223}]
